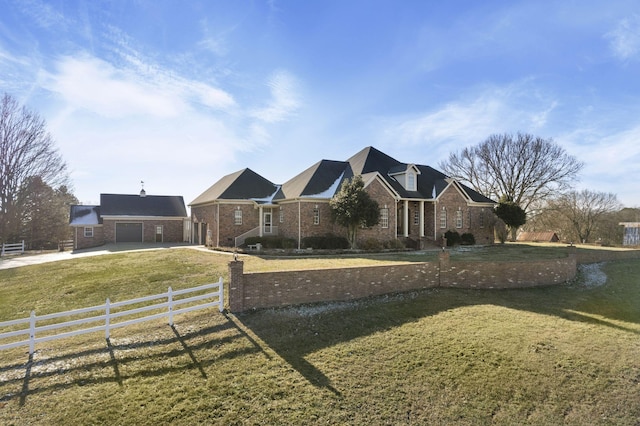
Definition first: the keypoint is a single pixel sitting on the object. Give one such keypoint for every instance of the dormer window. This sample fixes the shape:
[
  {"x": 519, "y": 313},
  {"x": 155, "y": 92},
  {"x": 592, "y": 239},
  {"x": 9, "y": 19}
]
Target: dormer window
[
  {"x": 407, "y": 176},
  {"x": 411, "y": 181}
]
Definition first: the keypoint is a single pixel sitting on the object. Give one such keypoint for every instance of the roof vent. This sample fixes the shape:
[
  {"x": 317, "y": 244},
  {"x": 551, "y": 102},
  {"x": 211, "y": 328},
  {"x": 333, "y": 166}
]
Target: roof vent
[{"x": 143, "y": 193}]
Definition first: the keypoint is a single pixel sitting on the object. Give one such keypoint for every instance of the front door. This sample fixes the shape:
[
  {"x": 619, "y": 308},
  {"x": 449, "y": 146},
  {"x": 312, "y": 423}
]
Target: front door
[
  {"x": 158, "y": 233},
  {"x": 267, "y": 222}
]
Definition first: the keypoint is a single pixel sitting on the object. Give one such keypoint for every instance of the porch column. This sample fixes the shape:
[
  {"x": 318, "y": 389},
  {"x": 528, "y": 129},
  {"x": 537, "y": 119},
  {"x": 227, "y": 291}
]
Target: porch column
[
  {"x": 260, "y": 224},
  {"x": 405, "y": 220},
  {"x": 421, "y": 218}
]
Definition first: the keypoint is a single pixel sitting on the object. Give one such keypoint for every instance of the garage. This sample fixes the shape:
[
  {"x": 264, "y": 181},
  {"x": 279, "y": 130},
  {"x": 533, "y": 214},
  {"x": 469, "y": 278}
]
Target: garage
[{"x": 128, "y": 232}]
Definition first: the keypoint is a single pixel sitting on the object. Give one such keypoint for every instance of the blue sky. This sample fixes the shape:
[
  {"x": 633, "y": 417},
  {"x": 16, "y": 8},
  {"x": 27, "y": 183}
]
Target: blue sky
[{"x": 180, "y": 93}]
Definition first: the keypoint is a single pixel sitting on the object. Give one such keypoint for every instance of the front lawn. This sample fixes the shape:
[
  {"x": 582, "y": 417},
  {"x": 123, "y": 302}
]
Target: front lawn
[{"x": 555, "y": 355}]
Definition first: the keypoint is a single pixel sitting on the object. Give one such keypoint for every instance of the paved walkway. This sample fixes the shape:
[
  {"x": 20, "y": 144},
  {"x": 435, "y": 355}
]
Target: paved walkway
[{"x": 16, "y": 261}]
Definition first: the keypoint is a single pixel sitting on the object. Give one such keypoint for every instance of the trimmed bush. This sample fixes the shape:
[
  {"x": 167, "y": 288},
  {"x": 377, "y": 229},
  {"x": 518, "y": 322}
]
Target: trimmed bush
[
  {"x": 394, "y": 244},
  {"x": 453, "y": 238},
  {"x": 467, "y": 239},
  {"x": 371, "y": 244},
  {"x": 326, "y": 242}
]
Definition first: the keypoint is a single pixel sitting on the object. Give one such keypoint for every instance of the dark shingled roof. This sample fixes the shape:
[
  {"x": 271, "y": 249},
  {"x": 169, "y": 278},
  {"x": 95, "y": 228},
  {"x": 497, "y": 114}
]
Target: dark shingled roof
[
  {"x": 242, "y": 185},
  {"x": 323, "y": 180},
  {"x": 430, "y": 182},
  {"x": 136, "y": 205},
  {"x": 317, "y": 181}
]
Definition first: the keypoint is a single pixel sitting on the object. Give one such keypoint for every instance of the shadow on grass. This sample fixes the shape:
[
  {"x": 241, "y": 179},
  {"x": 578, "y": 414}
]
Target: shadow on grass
[
  {"x": 102, "y": 365},
  {"x": 295, "y": 332}
]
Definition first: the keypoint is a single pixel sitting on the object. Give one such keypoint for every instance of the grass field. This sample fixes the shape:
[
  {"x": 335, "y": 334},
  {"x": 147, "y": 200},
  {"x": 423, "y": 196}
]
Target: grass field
[{"x": 558, "y": 355}]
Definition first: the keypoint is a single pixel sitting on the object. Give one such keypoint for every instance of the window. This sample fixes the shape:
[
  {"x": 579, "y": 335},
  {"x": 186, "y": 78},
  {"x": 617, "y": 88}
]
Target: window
[
  {"x": 443, "y": 218},
  {"x": 237, "y": 218},
  {"x": 416, "y": 217},
  {"x": 281, "y": 215},
  {"x": 88, "y": 232},
  {"x": 481, "y": 218},
  {"x": 384, "y": 217},
  {"x": 459, "y": 218},
  {"x": 411, "y": 181},
  {"x": 316, "y": 216}
]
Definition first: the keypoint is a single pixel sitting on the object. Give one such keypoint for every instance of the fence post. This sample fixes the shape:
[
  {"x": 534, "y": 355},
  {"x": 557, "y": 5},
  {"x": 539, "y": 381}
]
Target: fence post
[
  {"x": 221, "y": 297},
  {"x": 107, "y": 319},
  {"x": 32, "y": 332},
  {"x": 170, "y": 296}
]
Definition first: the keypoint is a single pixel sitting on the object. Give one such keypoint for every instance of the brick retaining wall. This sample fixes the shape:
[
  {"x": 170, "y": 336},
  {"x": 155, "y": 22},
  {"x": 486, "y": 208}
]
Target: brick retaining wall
[{"x": 274, "y": 289}]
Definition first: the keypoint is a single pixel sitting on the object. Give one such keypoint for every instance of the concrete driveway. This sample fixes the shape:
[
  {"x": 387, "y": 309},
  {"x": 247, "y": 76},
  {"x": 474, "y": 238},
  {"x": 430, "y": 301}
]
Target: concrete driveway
[{"x": 16, "y": 261}]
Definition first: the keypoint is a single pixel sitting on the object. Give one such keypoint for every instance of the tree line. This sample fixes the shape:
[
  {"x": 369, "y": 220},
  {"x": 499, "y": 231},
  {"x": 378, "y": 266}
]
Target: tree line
[
  {"x": 34, "y": 184},
  {"x": 533, "y": 178}
]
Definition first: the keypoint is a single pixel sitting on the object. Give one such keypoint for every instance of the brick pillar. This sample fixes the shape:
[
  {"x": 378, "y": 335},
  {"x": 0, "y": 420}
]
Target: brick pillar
[
  {"x": 444, "y": 268},
  {"x": 236, "y": 286}
]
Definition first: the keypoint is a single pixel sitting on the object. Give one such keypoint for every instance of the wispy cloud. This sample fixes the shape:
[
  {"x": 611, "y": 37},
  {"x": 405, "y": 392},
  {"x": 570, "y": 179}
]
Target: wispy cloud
[
  {"x": 285, "y": 99},
  {"x": 86, "y": 82},
  {"x": 43, "y": 14},
  {"x": 89, "y": 83},
  {"x": 611, "y": 160},
  {"x": 214, "y": 41},
  {"x": 475, "y": 116},
  {"x": 624, "y": 39}
]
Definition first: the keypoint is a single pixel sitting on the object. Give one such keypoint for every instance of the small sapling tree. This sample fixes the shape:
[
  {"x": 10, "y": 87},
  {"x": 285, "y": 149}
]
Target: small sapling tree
[{"x": 353, "y": 208}]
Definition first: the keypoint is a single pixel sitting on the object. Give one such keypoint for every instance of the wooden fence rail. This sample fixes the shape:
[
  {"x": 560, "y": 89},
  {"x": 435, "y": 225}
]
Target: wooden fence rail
[{"x": 169, "y": 308}]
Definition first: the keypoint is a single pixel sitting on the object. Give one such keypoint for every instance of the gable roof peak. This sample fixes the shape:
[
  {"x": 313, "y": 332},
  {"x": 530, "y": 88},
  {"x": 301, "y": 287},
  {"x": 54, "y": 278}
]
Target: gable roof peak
[
  {"x": 371, "y": 159},
  {"x": 243, "y": 184}
]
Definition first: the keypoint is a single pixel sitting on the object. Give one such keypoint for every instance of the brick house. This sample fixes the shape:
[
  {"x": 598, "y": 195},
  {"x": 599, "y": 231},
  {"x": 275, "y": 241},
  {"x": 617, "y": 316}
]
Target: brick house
[
  {"x": 417, "y": 203},
  {"x": 130, "y": 218}
]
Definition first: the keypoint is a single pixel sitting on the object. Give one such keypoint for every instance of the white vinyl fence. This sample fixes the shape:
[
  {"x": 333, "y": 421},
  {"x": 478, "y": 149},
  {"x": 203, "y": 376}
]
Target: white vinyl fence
[
  {"x": 16, "y": 248},
  {"x": 54, "y": 321}
]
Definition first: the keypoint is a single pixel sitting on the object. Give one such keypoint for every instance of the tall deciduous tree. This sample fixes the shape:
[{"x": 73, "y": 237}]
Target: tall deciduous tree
[
  {"x": 585, "y": 211},
  {"x": 352, "y": 207},
  {"x": 26, "y": 151},
  {"x": 524, "y": 168}
]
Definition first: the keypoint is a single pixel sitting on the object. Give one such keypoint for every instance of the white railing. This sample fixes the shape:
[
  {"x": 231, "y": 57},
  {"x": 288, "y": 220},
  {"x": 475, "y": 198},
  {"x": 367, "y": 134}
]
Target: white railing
[
  {"x": 12, "y": 248},
  {"x": 241, "y": 238},
  {"x": 255, "y": 232},
  {"x": 107, "y": 318}
]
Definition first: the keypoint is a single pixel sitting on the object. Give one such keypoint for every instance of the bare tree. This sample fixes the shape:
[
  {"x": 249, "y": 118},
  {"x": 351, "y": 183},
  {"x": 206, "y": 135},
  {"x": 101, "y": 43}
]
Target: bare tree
[
  {"x": 26, "y": 150},
  {"x": 523, "y": 168},
  {"x": 584, "y": 211}
]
